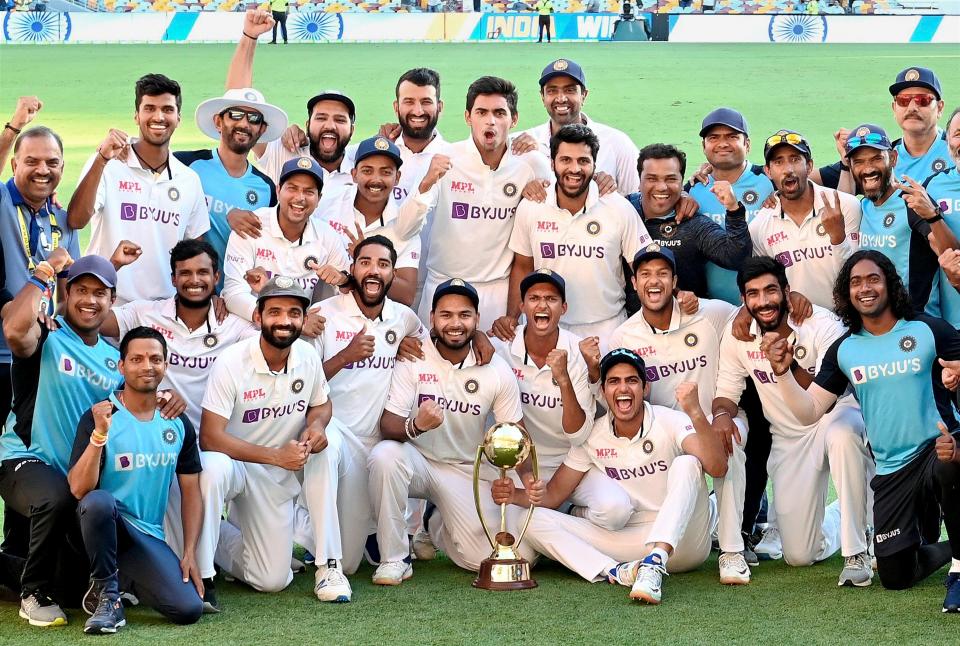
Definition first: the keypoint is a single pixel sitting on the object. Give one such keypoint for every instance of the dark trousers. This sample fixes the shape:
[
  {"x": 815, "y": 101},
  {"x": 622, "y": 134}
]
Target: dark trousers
[
  {"x": 16, "y": 528},
  {"x": 544, "y": 23},
  {"x": 40, "y": 493},
  {"x": 281, "y": 20},
  {"x": 757, "y": 451},
  {"x": 122, "y": 555}
]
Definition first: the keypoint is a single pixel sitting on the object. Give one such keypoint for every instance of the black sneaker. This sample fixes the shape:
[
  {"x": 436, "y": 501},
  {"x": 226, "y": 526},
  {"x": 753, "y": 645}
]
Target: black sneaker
[
  {"x": 211, "y": 605},
  {"x": 108, "y": 618},
  {"x": 951, "y": 602},
  {"x": 748, "y": 554}
]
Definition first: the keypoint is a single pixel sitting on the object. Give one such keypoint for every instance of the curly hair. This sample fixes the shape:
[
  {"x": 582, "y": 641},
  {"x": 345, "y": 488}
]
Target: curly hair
[{"x": 899, "y": 298}]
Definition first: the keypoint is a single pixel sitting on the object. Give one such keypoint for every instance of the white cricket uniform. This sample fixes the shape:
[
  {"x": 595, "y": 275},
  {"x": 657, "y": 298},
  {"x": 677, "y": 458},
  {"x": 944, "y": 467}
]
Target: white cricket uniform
[
  {"x": 617, "y": 155},
  {"x": 803, "y": 457},
  {"x": 276, "y": 155},
  {"x": 358, "y": 392},
  {"x": 472, "y": 224},
  {"x": 585, "y": 248},
  {"x": 154, "y": 211},
  {"x": 278, "y": 256},
  {"x": 811, "y": 261},
  {"x": 666, "y": 487},
  {"x": 438, "y": 465},
  {"x": 689, "y": 350},
  {"x": 268, "y": 409}
]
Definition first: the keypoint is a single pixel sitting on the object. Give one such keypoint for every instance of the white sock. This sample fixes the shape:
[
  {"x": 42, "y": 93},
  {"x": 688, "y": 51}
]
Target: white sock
[
  {"x": 955, "y": 565},
  {"x": 662, "y": 554}
]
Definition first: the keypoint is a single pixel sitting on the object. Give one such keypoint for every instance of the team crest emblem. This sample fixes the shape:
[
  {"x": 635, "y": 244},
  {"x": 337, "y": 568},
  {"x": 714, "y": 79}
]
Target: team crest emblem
[
  {"x": 250, "y": 96},
  {"x": 560, "y": 65},
  {"x": 821, "y": 230},
  {"x": 310, "y": 260},
  {"x": 653, "y": 247},
  {"x": 668, "y": 230},
  {"x": 863, "y": 132},
  {"x": 251, "y": 197},
  {"x": 799, "y": 352},
  {"x": 545, "y": 271},
  {"x": 169, "y": 435},
  {"x": 908, "y": 344},
  {"x": 911, "y": 75},
  {"x": 297, "y": 386},
  {"x": 647, "y": 447},
  {"x": 593, "y": 227},
  {"x": 210, "y": 340},
  {"x": 750, "y": 197},
  {"x": 889, "y": 219},
  {"x": 938, "y": 165},
  {"x": 284, "y": 282},
  {"x": 391, "y": 337},
  {"x": 110, "y": 364},
  {"x": 304, "y": 162},
  {"x": 457, "y": 282},
  {"x": 691, "y": 340},
  {"x": 509, "y": 189},
  {"x": 381, "y": 144},
  {"x": 173, "y": 194},
  {"x": 471, "y": 386}
]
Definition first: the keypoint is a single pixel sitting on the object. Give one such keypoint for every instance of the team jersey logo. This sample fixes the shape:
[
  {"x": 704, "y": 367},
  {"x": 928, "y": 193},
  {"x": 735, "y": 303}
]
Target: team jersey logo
[
  {"x": 889, "y": 219},
  {"x": 908, "y": 344},
  {"x": 284, "y": 282},
  {"x": 911, "y": 75},
  {"x": 251, "y": 197},
  {"x": 457, "y": 282},
  {"x": 471, "y": 386},
  {"x": 750, "y": 197},
  {"x": 173, "y": 194},
  {"x": 560, "y": 65},
  {"x": 68, "y": 365},
  {"x": 304, "y": 162},
  {"x": 799, "y": 352},
  {"x": 938, "y": 165},
  {"x": 297, "y": 386},
  {"x": 123, "y": 462},
  {"x": 668, "y": 230},
  {"x": 509, "y": 189},
  {"x": 110, "y": 364},
  {"x": 821, "y": 230},
  {"x": 308, "y": 261},
  {"x": 593, "y": 227},
  {"x": 210, "y": 340},
  {"x": 647, "y": 447},
  {"x": 169, "y": 435},
  {"x": 691, "y": 340},
  {"x": 391, "y": 337}
]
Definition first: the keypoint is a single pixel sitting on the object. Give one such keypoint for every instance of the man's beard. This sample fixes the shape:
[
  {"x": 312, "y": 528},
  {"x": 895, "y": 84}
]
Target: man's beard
[{"x": 425, "y": 132}]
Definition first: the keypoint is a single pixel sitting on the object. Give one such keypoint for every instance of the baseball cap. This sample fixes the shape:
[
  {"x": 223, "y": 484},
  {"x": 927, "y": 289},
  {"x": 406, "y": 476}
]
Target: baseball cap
[
  {"x": 916, "y": 77},
  {"x": 870, "y": 135},
  {"x": 333, "y": 95},
  {"x": 723, "y": 117},
  {"x": 788, "y": 138},
  {"x": 455, "y": 286},
  {"x": 563, "y": 67},
  {"x": 96, "y": 266},
  {"x": 283, "y": 286},
  {"x": 622, "y": 355},
  {"x": 543, "y": 275},
  {"x": 653, "y": 250},
  {"x": 378, "y": 146},
  {"x": 305, "y": 165}
]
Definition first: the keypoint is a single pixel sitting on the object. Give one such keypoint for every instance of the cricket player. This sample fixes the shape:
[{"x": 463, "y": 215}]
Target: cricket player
[{"x": 944, "y": 189}]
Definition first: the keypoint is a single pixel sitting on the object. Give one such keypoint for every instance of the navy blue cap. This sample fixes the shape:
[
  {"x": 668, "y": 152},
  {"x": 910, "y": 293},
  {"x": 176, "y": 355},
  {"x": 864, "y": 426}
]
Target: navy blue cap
[
  {"x": 96, "y": 266},
  {"x": 456, "y": 286},
  {"x": 867, "y": 134},
  {"x": 333, "y": 95},
  {"x": 563, "y": 67},
  {"x": 622, "y": 355},
  {"x": 787, "y": 138},
  {"x": 378, "y": 146},
  {"x": 916, "y": 77},
  {"x": 543, "y": 275},
  {"x": 723, "y": 117},
  {"x": 653, "y": 250},
  {"x": 305, "y": 165}
]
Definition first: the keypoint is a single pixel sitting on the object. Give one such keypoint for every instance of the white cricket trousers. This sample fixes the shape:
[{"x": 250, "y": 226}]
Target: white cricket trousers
[
  {"x": 493, "y": 298},
  {"x": 730, "y": 491}
]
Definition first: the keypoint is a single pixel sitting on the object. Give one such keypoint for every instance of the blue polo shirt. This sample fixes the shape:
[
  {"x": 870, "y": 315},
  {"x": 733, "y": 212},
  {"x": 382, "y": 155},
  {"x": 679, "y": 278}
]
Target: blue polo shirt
[{"x": 40, "y": 234}]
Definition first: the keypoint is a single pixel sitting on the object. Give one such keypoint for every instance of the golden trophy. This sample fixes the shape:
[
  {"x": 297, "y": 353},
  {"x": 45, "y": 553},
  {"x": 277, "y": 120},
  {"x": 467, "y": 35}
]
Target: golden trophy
[{"x": 505, "y": 446}]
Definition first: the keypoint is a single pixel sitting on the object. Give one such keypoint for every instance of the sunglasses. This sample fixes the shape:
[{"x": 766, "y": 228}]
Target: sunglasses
[
  {"x": 791, "y": 138},
  {"x": 872, "y": 138},
  {"x": 923, "y": 100},
  {"x": 236, "y": 114}
]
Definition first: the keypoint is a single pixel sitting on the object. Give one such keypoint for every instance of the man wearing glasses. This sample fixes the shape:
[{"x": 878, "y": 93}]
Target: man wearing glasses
[{"x": 239, "y": 119}]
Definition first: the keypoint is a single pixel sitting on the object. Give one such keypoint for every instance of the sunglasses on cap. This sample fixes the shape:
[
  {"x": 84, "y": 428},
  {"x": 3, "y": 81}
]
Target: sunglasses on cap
[
  {"x": 791, "y": 138},
  {"x": 872, "y": 138},
  {"x": 923, "y": 100},
  {"x": 236, "y": 114}
]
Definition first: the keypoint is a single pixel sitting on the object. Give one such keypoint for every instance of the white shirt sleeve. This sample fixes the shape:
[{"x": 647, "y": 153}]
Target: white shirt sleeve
[
  {"x": 403, "y": 389},
  {"x": 520, "y": 237},
  {"x": 413, "y": 212},
  {"x": 128, "y": 316},
  {"x": 271, "y": 162},
  {"x": 539, "y": 164},
  {"x": 635, "y": 235},
  {"x": 628, "y": 179},
  {"x": 100, "y": 198},
  {"x": 732, "y": 376},
  {"x": 238, "y": 260},
  {"x": 829, "y": 330},
  {"x": 756, "y": 235},
  {"x": 578, "y": 459},
  {"x": 220, "y": 396},
  {"x": 413, "y": 326},
  {"x": 198, "y": 220},
  {"x": 333, "y": 245},
  {"x": 577, "y": 368},
  {"x": 321, "y": 389},
  {"x": 506, "y": 403}
]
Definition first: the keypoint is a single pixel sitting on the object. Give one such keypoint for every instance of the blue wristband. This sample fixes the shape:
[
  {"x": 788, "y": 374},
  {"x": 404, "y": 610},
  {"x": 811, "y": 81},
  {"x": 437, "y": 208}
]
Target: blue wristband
[{"x": 42, "y": 286}]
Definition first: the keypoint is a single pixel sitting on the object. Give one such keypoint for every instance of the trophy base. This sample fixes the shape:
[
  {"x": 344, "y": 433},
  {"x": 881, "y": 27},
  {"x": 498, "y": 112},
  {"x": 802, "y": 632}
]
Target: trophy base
[{"x": 504, "y": 574}]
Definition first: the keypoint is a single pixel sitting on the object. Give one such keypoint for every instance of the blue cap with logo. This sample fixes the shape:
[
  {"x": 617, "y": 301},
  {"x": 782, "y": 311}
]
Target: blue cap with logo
[
  {"x": 916, "y": 77},
  {"x": 652, "y": 251},
  {"x": 563, "y": 67},
  {"x": 723, "y": 117},
  {"x": 305, "y": 165},
  {"x": 543, "y": 275},
  {"x": 378, "y": 146},
  {"x": 870, "y": 135},
  {"x": 456, "y": 286},
  {"x": 96, "y": 266}
]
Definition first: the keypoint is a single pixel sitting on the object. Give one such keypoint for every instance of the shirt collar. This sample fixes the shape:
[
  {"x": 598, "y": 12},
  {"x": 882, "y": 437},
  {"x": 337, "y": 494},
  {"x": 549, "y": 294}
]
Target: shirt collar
[
  {"x": 593, "y": 196},
  {"x": 675, "y": 319},
  {"x": 16, "y": 198},
  {"x": 431, "y": 147},
  {"x": 352, "y": 308},
  {"x": 259, "y": 363},
  {"x": 645, "y": 426},
  {"x": 273, "y": 225},
  {"x": 168, "y": 310}
]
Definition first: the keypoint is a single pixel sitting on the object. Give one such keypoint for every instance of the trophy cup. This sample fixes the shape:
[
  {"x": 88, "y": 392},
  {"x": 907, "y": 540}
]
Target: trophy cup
[{"x": 505, "y": 446}]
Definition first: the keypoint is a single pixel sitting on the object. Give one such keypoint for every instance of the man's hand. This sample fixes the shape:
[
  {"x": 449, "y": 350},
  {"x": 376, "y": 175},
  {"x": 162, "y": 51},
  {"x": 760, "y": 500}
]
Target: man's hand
[
  {"x": 840, "y": 141},
  {"x": 170, "y": 404},
  {"x": 688, "y": 396},
  {"x": 59, "y": 259},
  {"x": 257, "y": 21},
  {"x": 778, "y": 351},
  {"x": 361, "y": 347},
  {"x": 256, "y": 278},
  {"x": 126, "y": 253},
  {"x": 314, "y": 439},
  {"x": 832, "y": 219},
  {"x": 293, "y": 138},
  {"x": 483, "y": 350},
  {"x": 950, "y": 375},
  {"x": 688, "y": 302},
  {"x": 537, "y": 492},
  {"x": 390, "y": 130},
  {"x": 313, "y": 323},
  {"x": 946, "y": 444},
  {"x": 353, "y": 240},
  {"x": 917, "y": 198},
  {"x": 724, "y": 193},
  {"x": 505, "y": 328},
  {"x": 220, "y": 311},
  {"x": 439, "y": 166},
  {"x": 686, "y": 208},
  {"x": 606, "y": 183},
  {"x": 244, "y": 223},
  {"x": 114, "y": 145},
  {"x": 771, "y": 202},
  {"x": 536, "y": 191},
  {"x": 740, "y": 328},
  {"x": 102, "y": 416},
  {"x": 729, "y": 433},
  {"x": 557, "y": 360},
  {"x": 590, "y": 350},
  {"x": 429, "y": 415},
  {"x": 191, "y": 572},
  {"x": 950, "y": 264},
  {"x": 523, "y": 143},
  {"x": 329, "y": 274},
  {"x": 27, "y": 108},
  {"x": 799, "y": 307},
  {"x": 410, "y": 349},
  {"x": 702, "y": 174},
  {"x": 292, "y": 456},
  {"x": 502, "y": 490}
]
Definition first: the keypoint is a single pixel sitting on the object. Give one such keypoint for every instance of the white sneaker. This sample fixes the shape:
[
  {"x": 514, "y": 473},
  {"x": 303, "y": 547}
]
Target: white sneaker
[
  {"x": 769, "y": 548},
  {"x": 423, "y": 547},
  {"x": 331, "y": 584},
  {"x": 857, "y": 571},
  {"x": 734, "y": 569},
  {"x": 392, "y": 573},
  {"x": 649, "y": 584}
]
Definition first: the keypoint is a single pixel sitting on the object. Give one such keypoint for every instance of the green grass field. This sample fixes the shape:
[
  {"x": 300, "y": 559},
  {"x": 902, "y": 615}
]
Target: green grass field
[{"x": 654, "y": 92}]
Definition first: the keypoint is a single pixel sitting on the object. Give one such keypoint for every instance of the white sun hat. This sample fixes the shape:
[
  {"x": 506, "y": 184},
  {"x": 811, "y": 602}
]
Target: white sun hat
[{"x": 246, "y": 97}]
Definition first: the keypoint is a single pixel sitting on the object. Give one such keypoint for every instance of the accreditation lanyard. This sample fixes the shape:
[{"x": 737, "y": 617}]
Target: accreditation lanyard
[{"x": 25, "y": 236}]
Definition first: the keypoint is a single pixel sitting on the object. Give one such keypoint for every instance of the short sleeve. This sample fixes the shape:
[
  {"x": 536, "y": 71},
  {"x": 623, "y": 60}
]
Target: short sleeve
[
  {"x": 189, "y": 459},
  {"x": 127, "y": 316},
  {"x": 84, "y": 430},
  {"x": 506, "y": 402},
  {"x": 403, "y": 389},
  {"x": 520, "y": 237},
  {"x": 221, "y": 393},
  {"x": 578, "y": 459}
]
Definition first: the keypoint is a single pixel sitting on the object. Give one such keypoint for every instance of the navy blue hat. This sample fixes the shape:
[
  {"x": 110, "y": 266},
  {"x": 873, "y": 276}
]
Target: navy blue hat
[
  {"x": 333, "y": 95},
  {"x": 916, "y": 77},
  {"x": 543, "y": 275},
  {"x": 622, "y": 355},
  {"x": 787, "y": 138},
  {"x": 723, "y": 117},
  {"x": 305, "y": 165},
  {"x": 96, "y": 266},
  {"x": 456, "y": 286},
  {"x": 563, "y": 67},
  {"x": 870, "y": 135},
  {"x": 653, "y": 250},
  {"x": 378, "y": 146}
]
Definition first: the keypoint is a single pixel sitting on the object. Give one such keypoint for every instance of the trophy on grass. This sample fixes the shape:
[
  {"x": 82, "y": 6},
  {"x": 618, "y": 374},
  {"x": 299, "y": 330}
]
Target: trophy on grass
[{"x": 505, "y": 446}]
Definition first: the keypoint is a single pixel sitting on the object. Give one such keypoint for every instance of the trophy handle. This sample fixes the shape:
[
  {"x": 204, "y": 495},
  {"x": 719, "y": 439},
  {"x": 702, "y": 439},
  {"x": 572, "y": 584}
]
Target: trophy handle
[
  {"x": 536, "y": 476},
  {"x": 476, "y": 495}
]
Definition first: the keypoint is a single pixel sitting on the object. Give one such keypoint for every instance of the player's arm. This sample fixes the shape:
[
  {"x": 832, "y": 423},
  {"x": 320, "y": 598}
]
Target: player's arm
[
  {"x": 88, "y": 196},
  {"x": 574, "y": 417},
  {"x": 214, "y": 437},
  {"x": 550, "y": 495},
  {"x": 240, "y": 72},
  {"x": 808, "y": 405},
  {"x": 27, "y": 108},
  {"x": 704, "y": 443},
  {"x": 400, "y": 421},
  {"x": 404, "y": 287},
  {"x": 86, "y": 459},
  {"x": 729, "y": 247},
  {"x": 20, "y": 325}
]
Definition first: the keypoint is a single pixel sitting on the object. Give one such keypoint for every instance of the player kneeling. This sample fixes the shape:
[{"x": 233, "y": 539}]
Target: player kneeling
[{"x": 658, "y": 456}]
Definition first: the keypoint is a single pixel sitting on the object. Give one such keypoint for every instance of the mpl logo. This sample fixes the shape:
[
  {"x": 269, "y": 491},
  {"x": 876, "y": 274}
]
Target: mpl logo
[
  {"x": 518, "y": 374},
  {"x": 343, "y": 335},
  {"x": 548, "y": 250},
  {"x": 128, "y": 211},
  {"x": 780, "y": 236},
  {"x": 606, "y": 453},
  {"x": 123, "y": 462},
  {"x": 127, "y": 186},
  {"x": 545, "y": 226},
  {"x": 265, "y": 254},
  {"x": 461, "y": 187},
  {"x": 68, "y": 365},
  {"x": 253, "y": 395},
  {"x": 428, "y": 378},
  {"x": 164, "y": 332}
]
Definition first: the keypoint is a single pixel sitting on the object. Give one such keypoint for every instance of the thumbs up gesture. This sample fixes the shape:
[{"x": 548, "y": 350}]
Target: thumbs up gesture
[{"x": 946, "y": 444}]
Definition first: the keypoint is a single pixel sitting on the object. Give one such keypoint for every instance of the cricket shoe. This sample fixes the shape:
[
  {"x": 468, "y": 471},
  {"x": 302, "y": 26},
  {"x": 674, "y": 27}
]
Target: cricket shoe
[
  {"x": 331, "y": 584},
  {"x": 734, "y": 569},
  {"x": 857, "y": 571},
  {"x": 392, "y": 573},
  {"x": 951, "y": 603},
  {"x": 649, "y": 584},
  {"x": 770, "y": 547}
]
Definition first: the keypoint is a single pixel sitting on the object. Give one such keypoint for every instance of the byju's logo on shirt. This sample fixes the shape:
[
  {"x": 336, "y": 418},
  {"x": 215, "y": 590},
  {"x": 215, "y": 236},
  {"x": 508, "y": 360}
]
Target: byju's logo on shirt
[
  {"x": 131, "y": 212},
  {"x": 637, "y": 472},
  {"x": 551, "y": 250},
  {"x": 123, "y": 462},
  {"x": 254, "y": 415},
  {"x": 464, "y": 211},
  {"x": 68, "y": 366},
  {"x": 72, "y": 368},
  {"x": 863, "y": 374},
  {"x": 131, "y": 461}
]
